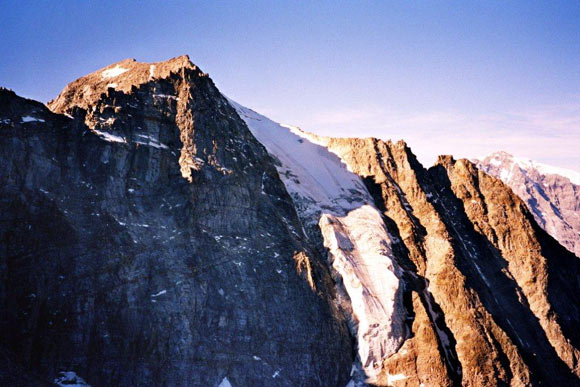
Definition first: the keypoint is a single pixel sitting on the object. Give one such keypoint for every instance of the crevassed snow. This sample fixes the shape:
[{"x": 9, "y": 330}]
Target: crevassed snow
[
  {"x": 113, "y": 72},
  {"x": 328, "y": 195},
  {"x": 70, "y": 379},
  {"x": 310, "y": 172},
  {"x": 31, "y": 119},
  {"x": 361, "y": 254}
]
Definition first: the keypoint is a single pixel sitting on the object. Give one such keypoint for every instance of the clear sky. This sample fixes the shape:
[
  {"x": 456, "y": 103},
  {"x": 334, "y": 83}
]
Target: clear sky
[{"x": 461, "y": 78}]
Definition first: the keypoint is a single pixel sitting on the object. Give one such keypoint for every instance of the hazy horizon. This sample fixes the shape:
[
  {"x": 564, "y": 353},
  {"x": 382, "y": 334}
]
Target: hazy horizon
[{"x": 466, "y": 80}]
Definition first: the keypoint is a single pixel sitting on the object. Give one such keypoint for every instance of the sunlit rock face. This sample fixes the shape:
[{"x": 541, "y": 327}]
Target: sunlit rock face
[
  {"x": 154, "y": 232},
  {"x": 482, "y": 268},
  {"x": 487, "y": 296},
  {"x": 552, "y": 194}
]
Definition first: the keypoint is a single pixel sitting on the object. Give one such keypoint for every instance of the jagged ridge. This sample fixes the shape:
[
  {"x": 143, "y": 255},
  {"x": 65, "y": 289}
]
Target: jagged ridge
[{"x": 552, "y": 194}]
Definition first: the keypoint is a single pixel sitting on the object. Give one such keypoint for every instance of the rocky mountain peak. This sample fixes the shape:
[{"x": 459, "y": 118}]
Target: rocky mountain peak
[
  {"x": 125, "y": 76},
  {"x": 445, "y": 160},
  {"x": 129, "y": 102}
]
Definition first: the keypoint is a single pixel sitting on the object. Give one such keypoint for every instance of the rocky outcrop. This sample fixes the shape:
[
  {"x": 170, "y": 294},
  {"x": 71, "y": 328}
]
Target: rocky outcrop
[
  {"x": 552, "y": 194},
  {"x": 154, "y": 232},
  {"x": 502, "y": 295},
  {"x": 146, "y": 239}
]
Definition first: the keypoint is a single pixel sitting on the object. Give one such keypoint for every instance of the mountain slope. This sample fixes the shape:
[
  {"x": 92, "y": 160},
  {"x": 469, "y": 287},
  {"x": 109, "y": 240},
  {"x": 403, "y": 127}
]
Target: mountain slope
[
  {"x": 476, "y": 267},
  {"x": 552, "y": 194}
]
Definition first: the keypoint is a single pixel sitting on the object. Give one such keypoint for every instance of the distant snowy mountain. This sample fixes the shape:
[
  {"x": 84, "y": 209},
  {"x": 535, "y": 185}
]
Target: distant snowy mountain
[{"x": 552, "y": 194}]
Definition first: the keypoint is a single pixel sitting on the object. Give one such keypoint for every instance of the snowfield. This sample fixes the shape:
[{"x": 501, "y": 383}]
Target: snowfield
[
  {"x": 113, "y": 72},
  {"x": 327, "y": 194}
]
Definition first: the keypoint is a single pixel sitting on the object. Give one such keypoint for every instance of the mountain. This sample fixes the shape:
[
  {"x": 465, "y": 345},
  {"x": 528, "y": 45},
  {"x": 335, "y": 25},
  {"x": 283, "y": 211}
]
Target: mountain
[
  {"x": 155, "y": 232},
  {"x": 149, "y": 240},
  {"x": 552, "y": 194}
]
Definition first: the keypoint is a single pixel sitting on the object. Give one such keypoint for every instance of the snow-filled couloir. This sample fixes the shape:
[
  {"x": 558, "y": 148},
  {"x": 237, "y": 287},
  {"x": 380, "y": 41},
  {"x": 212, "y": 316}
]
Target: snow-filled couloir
[{"x": 327, "y": 194}]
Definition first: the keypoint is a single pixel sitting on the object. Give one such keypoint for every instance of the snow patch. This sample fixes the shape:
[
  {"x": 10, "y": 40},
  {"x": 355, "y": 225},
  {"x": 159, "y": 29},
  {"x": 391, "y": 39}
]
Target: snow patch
[
  {"x": 545, "y": 169},
  {"x": 329, "y": 186},
  {"x": 70, "y": 379},
  {"x": 506, "y": 174},
  {"x": 108, "y": 136},
  {"x": 160, "y": 293},
  {"x": 113, "y": 72},
  {"x": 166, "y": 96},
  {"x": 31, "y": 119},
  {"x": 225, "y": 383},
  {"x": 151, "y": 142},
  {"x": 394, "y": 378},
  {"x": 499, "y": 158}
]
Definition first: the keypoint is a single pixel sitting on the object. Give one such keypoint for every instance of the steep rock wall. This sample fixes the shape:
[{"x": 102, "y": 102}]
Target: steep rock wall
[{"x": 147, "y": 239}]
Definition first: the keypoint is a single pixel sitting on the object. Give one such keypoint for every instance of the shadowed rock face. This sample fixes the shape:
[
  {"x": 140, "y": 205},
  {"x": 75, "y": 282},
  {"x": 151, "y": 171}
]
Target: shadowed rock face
[
  {"x": 154, "y": 233},
  {"x": 552, "y": 194},
  {"x": 148, "y": 240}
]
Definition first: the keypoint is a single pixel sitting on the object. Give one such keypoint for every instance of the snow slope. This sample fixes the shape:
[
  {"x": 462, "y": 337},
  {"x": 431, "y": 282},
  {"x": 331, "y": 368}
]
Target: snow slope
[{"x": 328, "y": 195}]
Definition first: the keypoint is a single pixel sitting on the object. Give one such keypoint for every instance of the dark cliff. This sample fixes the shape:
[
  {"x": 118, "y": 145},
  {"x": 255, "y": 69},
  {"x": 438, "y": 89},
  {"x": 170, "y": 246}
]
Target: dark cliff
[{"x": 147, "y": 239}]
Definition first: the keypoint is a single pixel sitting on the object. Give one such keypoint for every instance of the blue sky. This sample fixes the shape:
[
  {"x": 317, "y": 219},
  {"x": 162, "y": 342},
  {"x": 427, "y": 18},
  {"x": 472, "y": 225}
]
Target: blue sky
[{"x": 461, "y": 78}]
